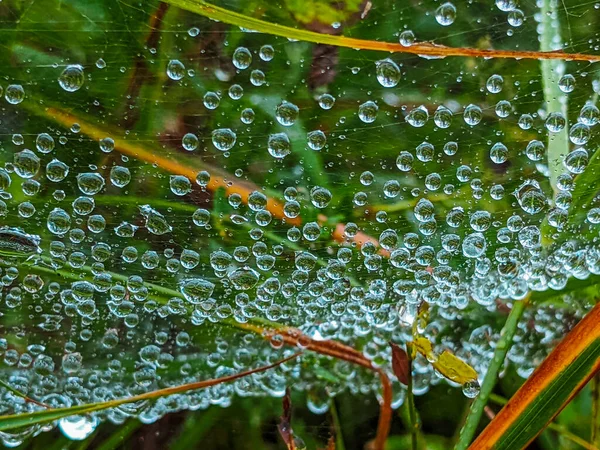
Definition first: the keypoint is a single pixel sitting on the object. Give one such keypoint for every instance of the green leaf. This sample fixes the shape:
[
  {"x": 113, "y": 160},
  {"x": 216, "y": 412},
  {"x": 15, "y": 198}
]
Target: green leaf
[{"x": 449, "y": 365}]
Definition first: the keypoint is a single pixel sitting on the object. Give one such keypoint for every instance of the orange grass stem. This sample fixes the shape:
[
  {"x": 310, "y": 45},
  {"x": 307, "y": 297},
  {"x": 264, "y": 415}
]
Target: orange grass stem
[
  {"x": 568, "y": 350},
  {"x": 294, "y": 337},
  {"x": 425, "y": 49}
]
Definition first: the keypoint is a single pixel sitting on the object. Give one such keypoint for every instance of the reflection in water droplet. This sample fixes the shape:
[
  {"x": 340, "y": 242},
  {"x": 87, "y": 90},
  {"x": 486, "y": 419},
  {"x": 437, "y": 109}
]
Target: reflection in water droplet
[{"x": 71, "y": 79}]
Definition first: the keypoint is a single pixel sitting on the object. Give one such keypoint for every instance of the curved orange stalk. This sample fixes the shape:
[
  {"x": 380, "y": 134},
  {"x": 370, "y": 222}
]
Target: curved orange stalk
[
  {"x": 422, "y": 49},
  {"x": 137, "y": 151},
  {"x": 584, "y": 335},
  {"x": 294, "y": 337}
]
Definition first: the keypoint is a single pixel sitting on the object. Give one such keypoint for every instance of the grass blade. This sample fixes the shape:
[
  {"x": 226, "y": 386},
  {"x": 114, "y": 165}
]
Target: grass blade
[
  {"x": 224, "y": 15},
  {"x": 20, "y": 394},
  {"x": 554, "y": 383},
  {"x": 595, "y": 432},
  {"x": 560, "y": 429},
  {"x": 556, "y": 100},
  {"x": 410, "y": 399},
  {"x": 489, "y": 381},
  {"x": 13, "y": 421}
]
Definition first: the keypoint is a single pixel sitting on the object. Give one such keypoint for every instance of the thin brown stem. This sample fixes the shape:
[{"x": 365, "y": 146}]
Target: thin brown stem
[
  {"x": 23, "y": 396},
  {"x": 425, "y": 49},
  {"x": 207, "y": 383},
  {"x": 294, "y": 337},
  {"x": 140, "y": 71}
]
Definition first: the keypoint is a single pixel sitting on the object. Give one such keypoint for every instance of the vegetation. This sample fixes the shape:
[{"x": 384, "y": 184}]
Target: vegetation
[{"x": 308, "y": 224}]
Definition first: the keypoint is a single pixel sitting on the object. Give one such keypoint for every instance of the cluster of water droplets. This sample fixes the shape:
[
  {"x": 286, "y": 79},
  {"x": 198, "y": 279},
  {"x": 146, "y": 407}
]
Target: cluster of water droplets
[{"x": 154, "y": 276}]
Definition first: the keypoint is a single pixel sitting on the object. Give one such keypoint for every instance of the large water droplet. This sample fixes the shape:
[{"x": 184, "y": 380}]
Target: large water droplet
[{"x": 71, "y": 79}]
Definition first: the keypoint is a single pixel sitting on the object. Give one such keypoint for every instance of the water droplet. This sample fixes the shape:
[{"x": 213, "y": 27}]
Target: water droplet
[
  {"x": 44, "y": 143},
  {"x": 474, "y": 245},
  {"x": 567, "y": 83},
  {"x": 14, "y": 242},
  {"x": 203, "y": 178},
  {"x": 472, "y": 115},
  {"x": 26, "y": 163},
  {"x": 535, "y": 150},
  {"x": 577, "y": 160},
  {"x": 120, "y": 176},
  {"x": 279, "y": 145},
  {"x": 579, "y": 134},
  {"x": 107, "y": 144},
  {"x": 471, "y": 389},
  {"x": 418, "y": 117},
  {"x": 425, "y": 152},
  {"x": 367, "y": 112},
  {"x": 266, "y": 53},
  {"x": 445, "y": 14},
  {"x": 494, "y": 84},
  {"x": 499, "y": 153},
  {"x": 71, "y": 79},
  {"x": 404, "y": 161},
  {"x": 555, "y": 122},
  {"x": 211, "y": 100},
  {"x": 247, "y": 116},
  {"x": 224, "y": 139},
  {"x": 155, "y": 221},
  {"x": 180, "y": 185},
  {"x": 424, "y": 210},
  {"x": 175, "y": 70},
  {"x": 326, "y": 101},
  {"x": 14, "y": 94},
  {"x": 320, "y": 196},
  {"x": 407, "y": 38},
  {"x": 244, "y": 278},
  {"x": 286, "y": 113},
  {"x": 59, "y": 221},
  {"x": 90, "y": 183},
  {"x": 316, "y": 140},
  {"x": 242, "y": 58},
  {"x": 516, "y": 18},
  {"x": 530, "y": 196},
  {"x": 388, "y": 72},
  {"x": 189, "y": 142},
  {"x": 235, "y": 92},
  {"x": 442, "y": 117}
]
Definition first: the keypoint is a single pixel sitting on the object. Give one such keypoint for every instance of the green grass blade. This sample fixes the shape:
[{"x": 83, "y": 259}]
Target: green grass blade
[
  {"x": 556, "y": 100},
  {"x": 560, "y": 429},
  {"x": 489, "y": 381},
  {"x": 13, "y": 421}
]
